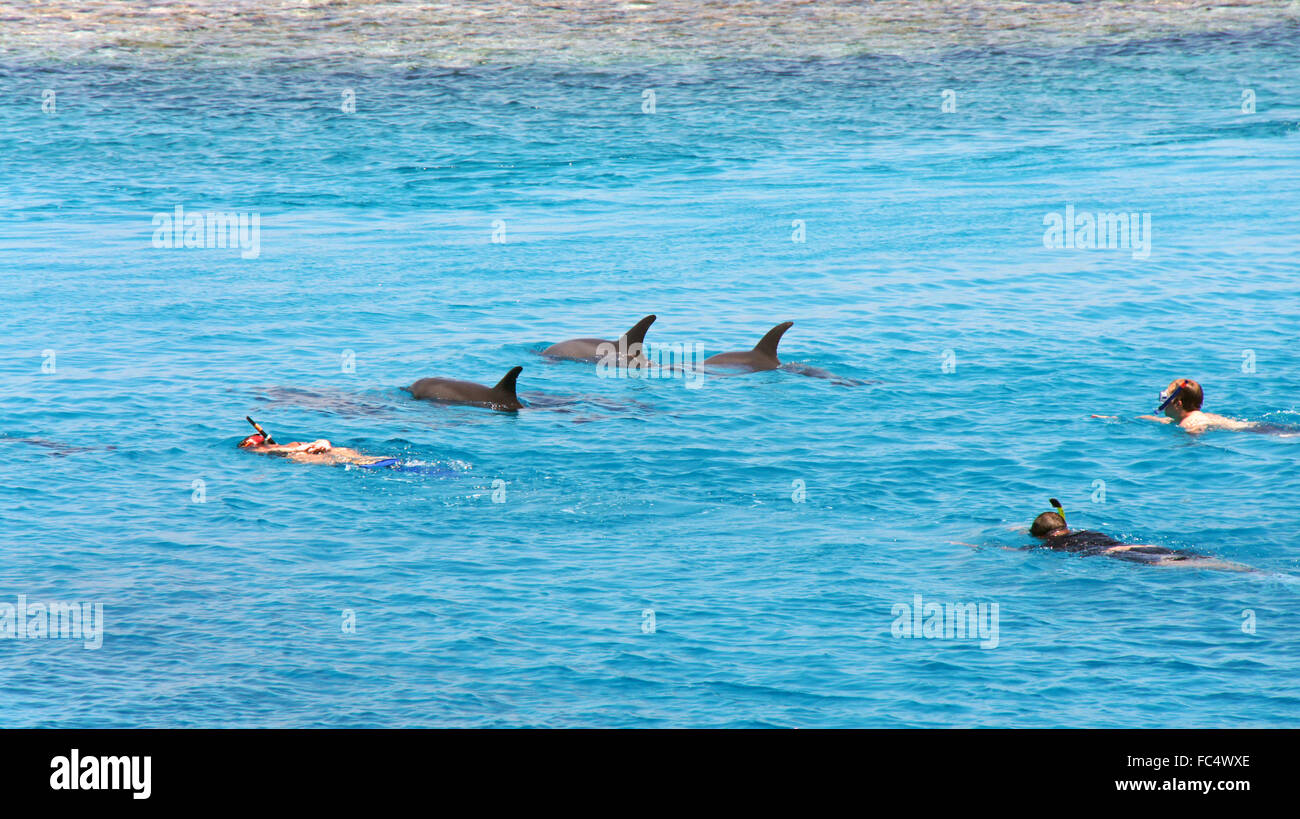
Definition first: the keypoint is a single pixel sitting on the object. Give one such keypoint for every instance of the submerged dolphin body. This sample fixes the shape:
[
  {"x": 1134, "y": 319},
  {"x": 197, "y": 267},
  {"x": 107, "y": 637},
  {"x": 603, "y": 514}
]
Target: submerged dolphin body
[
  {"x": 628, "y": 347},
  {"x": 447, "y": 391},
  {"x": 762, "y": 357}
]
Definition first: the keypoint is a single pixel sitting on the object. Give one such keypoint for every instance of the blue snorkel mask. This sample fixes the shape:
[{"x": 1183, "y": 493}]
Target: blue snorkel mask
[{"x": 1169, "y": 399}]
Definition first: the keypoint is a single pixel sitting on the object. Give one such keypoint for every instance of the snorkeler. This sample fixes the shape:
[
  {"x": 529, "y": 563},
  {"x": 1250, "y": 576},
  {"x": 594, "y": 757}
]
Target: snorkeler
[
  {"x": 1050, "y": 527},
  {"x": 311, "y": 452},
  {"x": 1181, "y": 402}
]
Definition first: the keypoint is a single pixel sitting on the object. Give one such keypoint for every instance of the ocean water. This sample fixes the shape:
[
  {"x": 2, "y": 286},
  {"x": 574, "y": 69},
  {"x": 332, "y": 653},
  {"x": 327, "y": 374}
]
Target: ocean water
[{"x": 647, "y": 552}]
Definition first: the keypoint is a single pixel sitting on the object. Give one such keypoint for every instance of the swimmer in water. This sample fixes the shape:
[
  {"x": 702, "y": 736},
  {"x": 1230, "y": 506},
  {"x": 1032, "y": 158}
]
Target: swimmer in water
[
  {"x": 319, "y": 451},
  {"x": 1050, "y": 527},
  {"x": 1181, "y": 402}
]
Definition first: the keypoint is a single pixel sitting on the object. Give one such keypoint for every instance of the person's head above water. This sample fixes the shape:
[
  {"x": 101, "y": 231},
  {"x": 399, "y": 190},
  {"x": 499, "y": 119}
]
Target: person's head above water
[
  {"x": 1182, "y": 396},
  {"x": 260, "y": 438},
  {"x": 1046, "y": 523},
  {"x": 1049, "y": 523}
]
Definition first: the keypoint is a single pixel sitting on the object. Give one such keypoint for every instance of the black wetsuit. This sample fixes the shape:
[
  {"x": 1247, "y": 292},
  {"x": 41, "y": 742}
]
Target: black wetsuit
[{"x": 1089, "y": 543}]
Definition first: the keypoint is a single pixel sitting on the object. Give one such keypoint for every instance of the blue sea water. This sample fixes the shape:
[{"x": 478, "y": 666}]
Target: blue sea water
[{"x": 770, "y": 522}]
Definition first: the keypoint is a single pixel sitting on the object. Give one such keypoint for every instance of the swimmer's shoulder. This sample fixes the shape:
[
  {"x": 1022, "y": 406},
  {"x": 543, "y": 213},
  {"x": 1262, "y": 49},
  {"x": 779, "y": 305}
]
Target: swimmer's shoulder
[{"x": 1201, "y": 421}]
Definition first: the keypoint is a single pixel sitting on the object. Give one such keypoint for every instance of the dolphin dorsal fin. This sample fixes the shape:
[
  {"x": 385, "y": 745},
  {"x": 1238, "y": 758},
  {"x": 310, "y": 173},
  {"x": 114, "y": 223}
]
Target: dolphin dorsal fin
[
  {"x": 767, "y": 344},
  {"x": 636, "y": 335},
  {"x": 507, "y": 384}
]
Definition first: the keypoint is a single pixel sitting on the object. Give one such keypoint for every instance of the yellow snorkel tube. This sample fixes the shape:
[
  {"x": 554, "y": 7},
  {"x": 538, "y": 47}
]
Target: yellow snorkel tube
[{"x": 1056, "y": 507}]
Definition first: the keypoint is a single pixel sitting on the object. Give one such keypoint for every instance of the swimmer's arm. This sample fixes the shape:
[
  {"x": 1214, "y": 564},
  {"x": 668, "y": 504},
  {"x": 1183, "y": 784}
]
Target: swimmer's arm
[
  {"x": 301, "y": 457},
  {"x": 303, "y": 452},
  {"x": 278, "y": 449},
  {"x": 1156, "y": 418},
  {"x": 320, "y": 445},
  {"x": 316, "y": 447}
]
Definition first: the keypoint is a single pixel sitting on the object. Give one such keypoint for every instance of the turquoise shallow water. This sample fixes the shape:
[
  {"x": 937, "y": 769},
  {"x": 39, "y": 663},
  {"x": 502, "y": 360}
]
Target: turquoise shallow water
[{"x": 924, "y": 236}]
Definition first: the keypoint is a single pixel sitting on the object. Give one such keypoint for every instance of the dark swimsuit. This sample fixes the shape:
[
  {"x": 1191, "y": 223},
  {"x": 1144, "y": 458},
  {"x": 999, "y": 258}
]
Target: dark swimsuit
[{"x": 1090, "y": 543}]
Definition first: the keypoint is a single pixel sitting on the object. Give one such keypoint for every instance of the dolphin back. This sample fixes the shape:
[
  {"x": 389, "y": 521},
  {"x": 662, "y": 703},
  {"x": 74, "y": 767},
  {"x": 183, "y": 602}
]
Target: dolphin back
[
  {"x": 636, "y": 334},
  {"x": 506, "y": 385},
  {"x": 449, "y": 391},
  {"x": 767, "y": 344}
]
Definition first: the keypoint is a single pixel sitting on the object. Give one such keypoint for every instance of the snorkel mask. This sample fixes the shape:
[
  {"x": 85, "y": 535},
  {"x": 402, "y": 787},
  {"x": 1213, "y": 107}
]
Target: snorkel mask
[
  {"x": 262, "y": 436},
  {"x": 1166, "y": 400}
]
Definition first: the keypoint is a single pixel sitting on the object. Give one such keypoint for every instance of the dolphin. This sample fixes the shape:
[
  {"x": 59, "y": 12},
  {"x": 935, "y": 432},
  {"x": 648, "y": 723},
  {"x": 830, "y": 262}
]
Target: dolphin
[
  {"x": 762, "y": 357},
  {"x": 447, "y": 391},
  {"x": 628, "y": 347}
]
